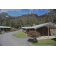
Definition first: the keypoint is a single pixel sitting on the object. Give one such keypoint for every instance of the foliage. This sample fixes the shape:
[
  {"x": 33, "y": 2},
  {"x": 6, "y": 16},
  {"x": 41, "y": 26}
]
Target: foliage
[
  {"x": 0, "y": 20},
  {"x": 7, "y": 23},
  {"x": 33, "y": 34},
  {"x": 19, "y": 28},
  {"x": 51, "y": 16},
  {"x": 12, "y": 24},
  {"x": 27, "y": 20}
]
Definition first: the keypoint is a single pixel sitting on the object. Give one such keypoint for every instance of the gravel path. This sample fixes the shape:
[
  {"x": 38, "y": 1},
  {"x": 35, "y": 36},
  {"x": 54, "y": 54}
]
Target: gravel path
[{"x": 7, "y": 39}]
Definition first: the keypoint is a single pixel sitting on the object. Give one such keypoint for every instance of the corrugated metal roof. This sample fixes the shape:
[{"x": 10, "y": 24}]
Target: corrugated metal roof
[
  {"x": 41, "y": 25},
  {"x": 4, "y": 27}
]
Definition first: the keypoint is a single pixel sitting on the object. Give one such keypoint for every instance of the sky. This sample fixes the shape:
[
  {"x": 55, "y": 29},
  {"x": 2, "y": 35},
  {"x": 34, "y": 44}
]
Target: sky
[{"x": 19, "y": 12}]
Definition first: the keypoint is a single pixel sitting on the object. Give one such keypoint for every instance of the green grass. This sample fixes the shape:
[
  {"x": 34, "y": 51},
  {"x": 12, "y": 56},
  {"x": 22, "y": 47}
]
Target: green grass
[
  {"x": 1, "y": 33},
  {"x": 54, "y": 35},
  {"x": 45, "y": 42},
  {"x": 20, "y": 34}
]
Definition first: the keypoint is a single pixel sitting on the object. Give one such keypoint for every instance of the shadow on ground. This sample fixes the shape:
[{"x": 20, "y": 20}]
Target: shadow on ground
[
  {"x": 54, "y": 39},
  {"x": 30, "y": 40}
]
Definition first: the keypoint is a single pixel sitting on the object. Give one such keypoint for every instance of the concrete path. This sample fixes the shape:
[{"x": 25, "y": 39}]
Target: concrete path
[
  {"x": 45, "y": 37},
  {"x": 7, "y": 39}
]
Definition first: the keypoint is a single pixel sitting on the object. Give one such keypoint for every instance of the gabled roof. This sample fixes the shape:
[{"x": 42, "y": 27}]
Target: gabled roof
[
  {"x": 4, "y": 27},
  {"x": 51, "y": 25}
]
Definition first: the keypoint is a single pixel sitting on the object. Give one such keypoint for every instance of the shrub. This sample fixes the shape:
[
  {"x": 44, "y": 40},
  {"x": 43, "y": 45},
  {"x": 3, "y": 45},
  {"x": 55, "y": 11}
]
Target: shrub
[{"x": 33, "y": 34}]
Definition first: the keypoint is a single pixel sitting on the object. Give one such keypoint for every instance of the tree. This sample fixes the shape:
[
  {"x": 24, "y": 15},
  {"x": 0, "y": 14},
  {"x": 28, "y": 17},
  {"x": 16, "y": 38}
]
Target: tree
[
  {"x": 52, "y": 14},
  {"x": 0, "y": 19},
  {"x": 7, "y": 23},
  {"x": 12, "y": 24}
]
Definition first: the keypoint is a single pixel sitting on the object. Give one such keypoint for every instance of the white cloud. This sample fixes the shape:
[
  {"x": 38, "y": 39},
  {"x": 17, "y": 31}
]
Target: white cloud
[{"x": 6, "y": 10}]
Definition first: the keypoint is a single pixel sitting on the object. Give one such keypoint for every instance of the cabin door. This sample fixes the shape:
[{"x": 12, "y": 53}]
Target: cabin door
[{"x": 44, "y": 32}]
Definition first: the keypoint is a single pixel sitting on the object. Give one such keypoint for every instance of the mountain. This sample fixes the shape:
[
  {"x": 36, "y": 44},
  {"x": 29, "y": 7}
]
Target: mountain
[
  {"x": 27, "y": 16},
  {"x": 4, "y": 14},
  {"x": 44, "y": 15}
]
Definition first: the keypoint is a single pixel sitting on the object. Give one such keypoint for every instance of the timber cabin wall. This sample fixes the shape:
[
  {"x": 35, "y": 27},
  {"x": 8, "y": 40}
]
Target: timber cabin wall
[{"x": 43, "y": 31}]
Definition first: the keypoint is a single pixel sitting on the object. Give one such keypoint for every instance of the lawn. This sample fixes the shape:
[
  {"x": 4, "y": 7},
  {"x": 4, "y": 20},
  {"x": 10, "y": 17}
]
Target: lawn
[
  {"x": 1, "y": 33},
  {"x": 20, "y": 34},
  {"x": 54, "y": 35},
  {"x": 45, "y": 42}
]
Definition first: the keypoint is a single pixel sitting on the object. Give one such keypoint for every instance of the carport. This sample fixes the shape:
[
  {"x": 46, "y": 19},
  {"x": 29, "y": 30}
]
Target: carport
[{"x": 5, "y": 28}]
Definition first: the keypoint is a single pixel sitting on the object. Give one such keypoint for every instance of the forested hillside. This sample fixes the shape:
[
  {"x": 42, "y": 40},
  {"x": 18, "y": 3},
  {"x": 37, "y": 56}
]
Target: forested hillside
[{"x": 27, "y": 20}]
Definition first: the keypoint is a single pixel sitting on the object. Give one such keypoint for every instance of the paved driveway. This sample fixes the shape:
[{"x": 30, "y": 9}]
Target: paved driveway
[{"x": 7, "y": 39}]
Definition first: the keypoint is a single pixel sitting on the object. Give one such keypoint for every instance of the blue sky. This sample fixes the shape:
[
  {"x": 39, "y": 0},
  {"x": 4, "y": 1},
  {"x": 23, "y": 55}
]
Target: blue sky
[{"x": 19, "y": 12}]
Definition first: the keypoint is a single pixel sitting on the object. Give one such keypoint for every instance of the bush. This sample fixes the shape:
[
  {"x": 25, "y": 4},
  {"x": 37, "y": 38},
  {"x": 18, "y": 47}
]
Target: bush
[{"x": 33, "y": 34}]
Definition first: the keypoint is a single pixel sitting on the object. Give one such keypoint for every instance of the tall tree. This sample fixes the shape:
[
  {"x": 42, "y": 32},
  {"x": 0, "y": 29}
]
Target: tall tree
[
  {"x": 12, "y": 24},
  {"x": 0, "y": 19},
  {"x": 7, "y": 23},
  {"x": 52, "y": 14}
]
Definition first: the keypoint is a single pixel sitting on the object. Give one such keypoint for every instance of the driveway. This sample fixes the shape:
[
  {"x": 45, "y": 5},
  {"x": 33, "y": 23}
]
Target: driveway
[{"x": 7, "y": 39}]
